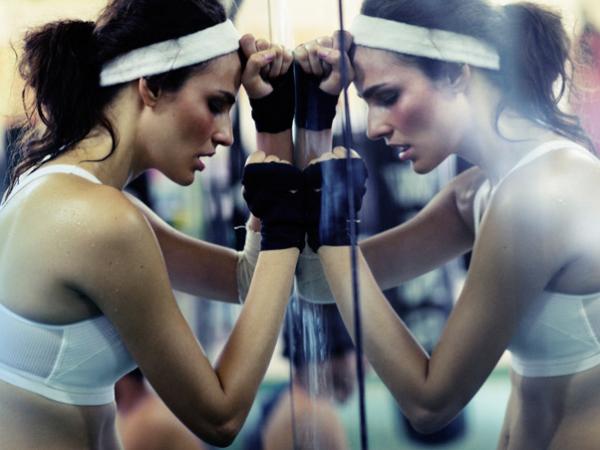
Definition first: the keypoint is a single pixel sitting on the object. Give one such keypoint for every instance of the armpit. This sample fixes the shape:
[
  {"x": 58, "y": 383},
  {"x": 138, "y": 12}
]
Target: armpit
[{"x": 465, "y": 189}]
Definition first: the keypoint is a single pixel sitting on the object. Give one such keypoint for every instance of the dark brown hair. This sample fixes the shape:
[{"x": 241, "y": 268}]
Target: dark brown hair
[
  {"x": 531, "y": 41},
  {"x": 61, "y": 67}
]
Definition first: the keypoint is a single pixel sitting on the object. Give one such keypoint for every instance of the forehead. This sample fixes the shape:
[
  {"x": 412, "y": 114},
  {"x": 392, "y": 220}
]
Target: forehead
[
  {"x": 374, "y": 66},
  {"x": 222, "y": 73}
]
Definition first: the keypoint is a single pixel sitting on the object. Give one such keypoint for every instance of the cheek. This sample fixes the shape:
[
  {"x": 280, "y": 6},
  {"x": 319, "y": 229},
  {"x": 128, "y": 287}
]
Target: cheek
[
  {"x": 194, "y": 122},
  {"x": 416, "y": 114}
]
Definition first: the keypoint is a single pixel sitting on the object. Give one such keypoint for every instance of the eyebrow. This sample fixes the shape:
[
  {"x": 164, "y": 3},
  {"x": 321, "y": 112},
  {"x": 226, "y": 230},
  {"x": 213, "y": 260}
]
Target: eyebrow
[{"x": 370, "y": 92}]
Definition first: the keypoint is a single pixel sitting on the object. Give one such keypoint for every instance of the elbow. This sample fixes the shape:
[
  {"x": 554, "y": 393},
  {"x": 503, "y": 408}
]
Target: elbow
[
  {"x": 428, "y": 421},
  {"x": 223, "y": 435}
]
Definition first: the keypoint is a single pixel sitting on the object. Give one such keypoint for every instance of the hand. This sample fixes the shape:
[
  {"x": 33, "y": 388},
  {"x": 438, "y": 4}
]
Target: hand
[
  {"x": 318, "y": 82},
  {"x": 265, "y": 63},
  {"x": 327, "y": 184},
  {"x": 273, "y": 190},
  {"x": 321, "y": 58},
  {"x": 269, "y": 83}
]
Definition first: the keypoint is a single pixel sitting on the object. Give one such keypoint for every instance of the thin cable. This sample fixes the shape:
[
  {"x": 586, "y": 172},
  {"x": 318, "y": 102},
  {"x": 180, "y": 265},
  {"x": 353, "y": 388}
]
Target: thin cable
[
  {"x": 292, "y": 347},
  {"x": 270, "y": 21},
  {"x": 347, "y": 140},
  {"x": 293, "y": 304}
]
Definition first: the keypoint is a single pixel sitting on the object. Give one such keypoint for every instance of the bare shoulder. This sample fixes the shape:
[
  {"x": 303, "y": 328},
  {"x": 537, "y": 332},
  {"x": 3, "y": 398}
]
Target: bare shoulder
[
  {"x": 103, "y": 233},
  {"x": 557, "y": 185},
  {"x": 99, "y": 213}
]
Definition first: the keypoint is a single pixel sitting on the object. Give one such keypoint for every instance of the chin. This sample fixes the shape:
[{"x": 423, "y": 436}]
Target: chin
[
  {"x": 424, "y": 166},
  {"x": 188, "y": 181},
  {"x": 183, "y": 180},
  {"x": 421, "y": 168}
]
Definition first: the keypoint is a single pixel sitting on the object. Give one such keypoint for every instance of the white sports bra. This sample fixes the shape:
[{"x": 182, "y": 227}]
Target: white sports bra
[
  {"x": 77, "y": 363},
  {"x": 559, "y": 333}
]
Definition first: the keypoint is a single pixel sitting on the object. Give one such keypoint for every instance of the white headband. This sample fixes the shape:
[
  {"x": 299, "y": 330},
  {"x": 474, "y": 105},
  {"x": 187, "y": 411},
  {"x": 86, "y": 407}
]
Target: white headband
[
  {"x": 418, "y": 41},
  {"x": 172, "y": 54}
]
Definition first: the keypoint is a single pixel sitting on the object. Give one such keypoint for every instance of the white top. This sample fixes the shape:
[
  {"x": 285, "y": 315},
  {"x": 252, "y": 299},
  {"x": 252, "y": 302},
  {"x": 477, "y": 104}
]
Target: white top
[
  {"x": 76, "y": 363},
  {"x": 559, "y": 333}
]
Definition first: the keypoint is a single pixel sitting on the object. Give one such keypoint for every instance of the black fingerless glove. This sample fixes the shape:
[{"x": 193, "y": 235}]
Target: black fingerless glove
[
  {"x": 274, "y": 113},
  {"x": 327, "y": 211},
  {"x": 315, "y": 108},
  {"x": 274, "y": 194}
]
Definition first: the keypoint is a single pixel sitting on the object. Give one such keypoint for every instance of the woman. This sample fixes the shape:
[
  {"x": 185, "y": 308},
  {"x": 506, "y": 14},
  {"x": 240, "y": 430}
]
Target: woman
[
  {"x": 85, "y": 292},
  {"x": 528, "y": 211}
]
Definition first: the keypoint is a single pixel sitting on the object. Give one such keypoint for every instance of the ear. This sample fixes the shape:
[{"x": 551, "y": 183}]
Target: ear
[
  {"x": 459, "y": 82},
  {"x": 148, "y": 96}
]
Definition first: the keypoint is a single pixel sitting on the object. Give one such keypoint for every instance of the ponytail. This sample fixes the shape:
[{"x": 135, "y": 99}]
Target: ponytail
[
  {"x": 534, "y": 52},
  {"x": 61, "y": 67},
  {"x": 530, "y": 39},
  {"x": 61, "y": 70}
]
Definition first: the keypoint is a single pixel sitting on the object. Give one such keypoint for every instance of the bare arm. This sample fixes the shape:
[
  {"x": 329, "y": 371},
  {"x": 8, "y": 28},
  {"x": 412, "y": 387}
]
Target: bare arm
[
  {"x": 511, "y": 265},
  {"x": 128, "y": 281},
  {"x": 437, "y": 234},
  {"x": 194, "y": 266},
  {"x": 201, "y": 268}
]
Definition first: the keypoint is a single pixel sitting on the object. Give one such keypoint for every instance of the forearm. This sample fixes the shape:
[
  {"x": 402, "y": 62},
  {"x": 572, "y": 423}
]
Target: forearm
[
  {"x": 246, "y": 355},
  {"x": 278, "y": 144},
  {"x": 195, "y": 267},
  {"x": 394, "y": 353},
  {"x": 311, "y": 144},
  {"x": 203, "y": 269}
]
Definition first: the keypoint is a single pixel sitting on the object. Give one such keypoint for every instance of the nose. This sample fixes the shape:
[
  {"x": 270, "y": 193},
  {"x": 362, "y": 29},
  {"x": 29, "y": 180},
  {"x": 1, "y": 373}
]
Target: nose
[
  {"x": 377, "y": 125},
  {"x": 223, "y": 134}
]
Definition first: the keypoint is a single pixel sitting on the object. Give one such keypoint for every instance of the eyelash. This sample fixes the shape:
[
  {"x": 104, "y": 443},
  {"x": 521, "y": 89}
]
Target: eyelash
[
  {"x": 386, "y": 98},
  {"x": 217, "y": 106}
]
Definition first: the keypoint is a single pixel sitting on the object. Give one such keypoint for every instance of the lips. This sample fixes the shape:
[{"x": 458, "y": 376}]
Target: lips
[
  {"x": 405, "y": 150},
  {"x": 199, "y": 163}
]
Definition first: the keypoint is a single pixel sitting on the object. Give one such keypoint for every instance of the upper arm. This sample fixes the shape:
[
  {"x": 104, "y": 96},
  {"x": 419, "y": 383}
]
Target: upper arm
[
  {"x": 125, "y": 275},
  {"x": 194, "y": 266},
  {"x": 512, "y": 263},
  {"x": 434, "y": 236}
]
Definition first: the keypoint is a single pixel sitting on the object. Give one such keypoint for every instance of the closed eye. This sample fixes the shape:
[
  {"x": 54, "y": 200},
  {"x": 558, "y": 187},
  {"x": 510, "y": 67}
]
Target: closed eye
[
  {"x": 218, "y": 106},
  {"x": 221, "y": 103},
  {"x": 382, "y": 95},
  {"x": 385, "y": 98}
]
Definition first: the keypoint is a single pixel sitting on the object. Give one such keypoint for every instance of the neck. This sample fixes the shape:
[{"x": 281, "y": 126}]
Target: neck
[
  {"x": 496, "y": 150},
  {"x": 92, "y": 153}
]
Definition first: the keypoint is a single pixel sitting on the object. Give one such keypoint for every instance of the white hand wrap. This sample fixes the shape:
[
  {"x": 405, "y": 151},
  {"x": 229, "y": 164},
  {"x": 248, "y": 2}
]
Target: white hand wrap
[
  {"x": 247, "y": 262},
  {"x": 310, "y": 278}
]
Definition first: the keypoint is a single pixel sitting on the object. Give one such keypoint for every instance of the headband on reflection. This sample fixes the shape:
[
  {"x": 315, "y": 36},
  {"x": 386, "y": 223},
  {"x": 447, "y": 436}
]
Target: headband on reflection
[
  {"x": 170, "y": 55},
  {"x": 431, "y": 43}
]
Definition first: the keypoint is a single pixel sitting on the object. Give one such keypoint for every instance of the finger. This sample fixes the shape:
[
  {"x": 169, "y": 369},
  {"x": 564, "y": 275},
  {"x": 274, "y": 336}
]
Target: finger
[
  {"x": 277, "y": 62},
  {"x": 256, "y": 157},
  {"x": 257, "y": 61},
  {"x": 272, "y": 158},
  {"x": 333, "y": 58},
  {"x": 248, "y": 45},
  {"x": 341, "y": 152},
  {"x": 324, "y": 157},
  {"x": 325, "y": 41},
  {"x": 348, "y": 39},
  {"x": 301, "y": 57},
  {"x": 287, "y": 60},
  {"x": 263, "y": 45},
  {"x": 313, "y": 60}
]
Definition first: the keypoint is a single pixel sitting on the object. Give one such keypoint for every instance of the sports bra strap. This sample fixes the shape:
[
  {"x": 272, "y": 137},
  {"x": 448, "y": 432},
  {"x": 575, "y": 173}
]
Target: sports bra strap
[
  {"x": 31, "y": 176},
  {"x": 486, "y": 189},
  {"x": 544, "y": 148}
]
